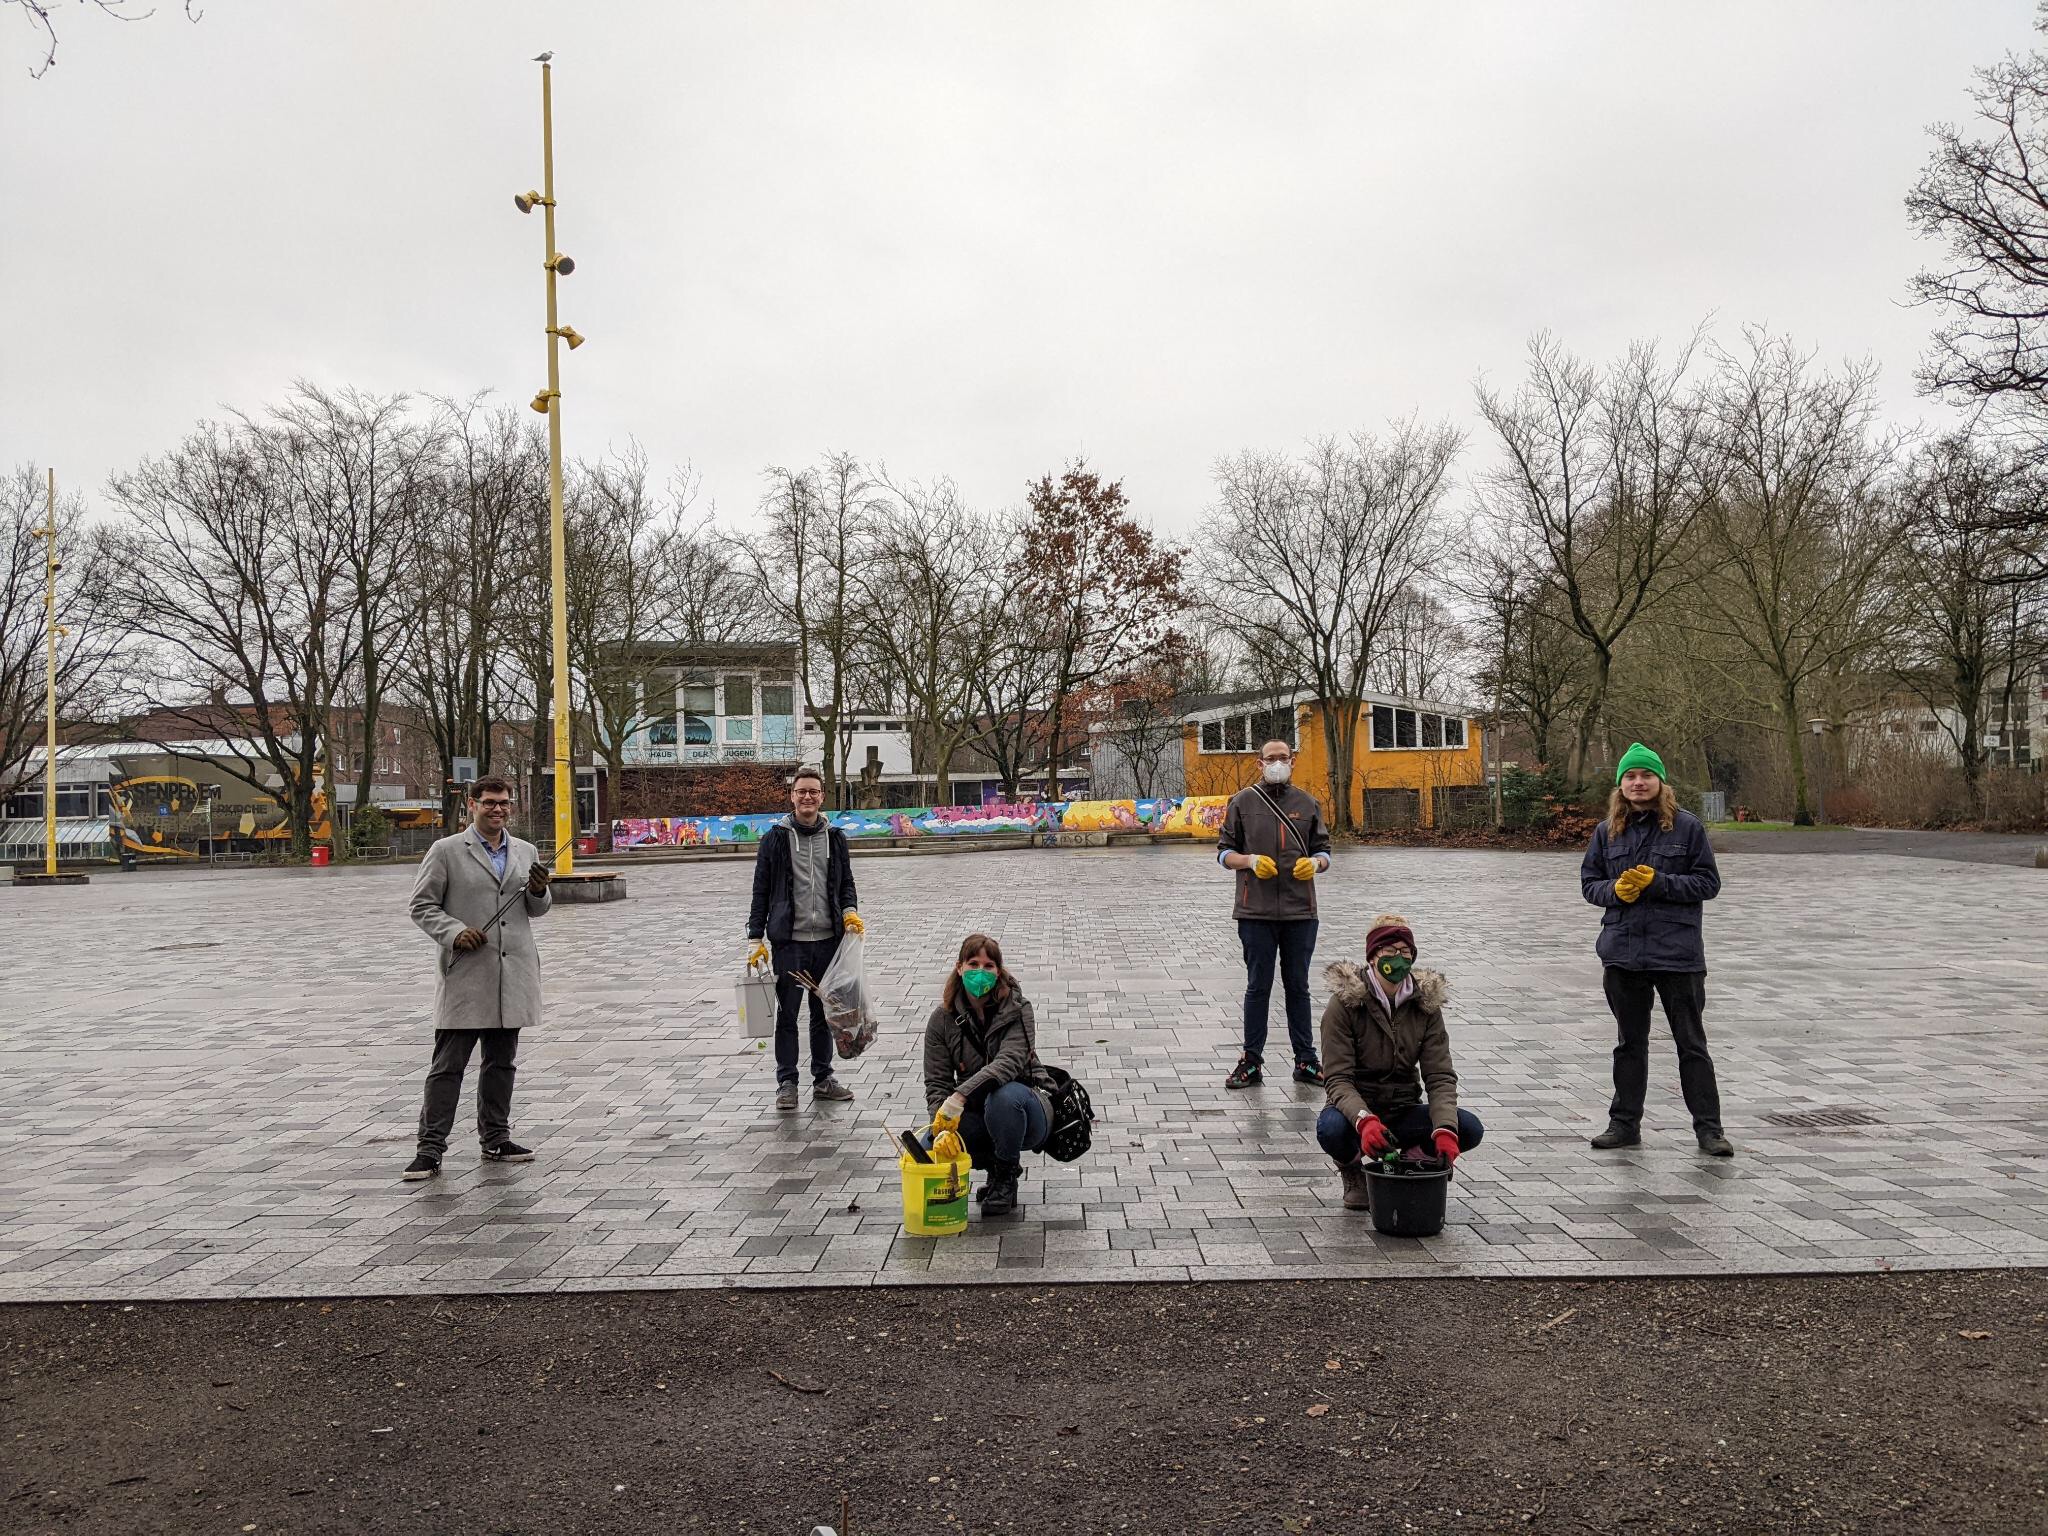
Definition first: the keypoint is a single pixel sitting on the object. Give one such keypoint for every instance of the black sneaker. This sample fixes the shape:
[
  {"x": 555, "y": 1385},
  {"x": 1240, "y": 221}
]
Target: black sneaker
[
  {"x": 1617, "y": 1135},
  {"x": 1246, "y": 1074},
  {"x": 507, "y": 1152},
  {"x": 1714, "y": 1144},
  {"x": 421, "y": 1167},
  {"x": 1308, "y": 1072}
]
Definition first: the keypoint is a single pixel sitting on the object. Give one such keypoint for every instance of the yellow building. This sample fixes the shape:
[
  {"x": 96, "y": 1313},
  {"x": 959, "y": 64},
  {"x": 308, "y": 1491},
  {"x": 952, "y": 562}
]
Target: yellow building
[{"x": 1414, "y": 762}]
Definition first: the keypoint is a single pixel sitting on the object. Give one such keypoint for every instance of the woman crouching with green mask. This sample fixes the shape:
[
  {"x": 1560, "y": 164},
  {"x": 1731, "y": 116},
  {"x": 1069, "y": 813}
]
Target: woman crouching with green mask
[
  {"x": 981, "y": 1070},
  {"x": 1384, "y": 1047}
]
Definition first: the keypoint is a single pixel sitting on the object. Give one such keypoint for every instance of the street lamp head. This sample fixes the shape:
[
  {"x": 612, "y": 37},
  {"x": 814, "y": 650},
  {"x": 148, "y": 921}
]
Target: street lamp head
[
  {"x": 571, "y": 335},
  {"x": 526, "y": 202},
  {"x": 540, "y": 401},
  {"x": 561, "y": 264}
]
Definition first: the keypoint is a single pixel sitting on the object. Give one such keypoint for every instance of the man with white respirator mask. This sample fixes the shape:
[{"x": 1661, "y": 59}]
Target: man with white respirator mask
[{"x": 1275, "y": 841}]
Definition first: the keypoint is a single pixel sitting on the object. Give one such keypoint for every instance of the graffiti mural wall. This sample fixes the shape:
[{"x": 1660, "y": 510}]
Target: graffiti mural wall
[{"x": 1196, "y": 817}]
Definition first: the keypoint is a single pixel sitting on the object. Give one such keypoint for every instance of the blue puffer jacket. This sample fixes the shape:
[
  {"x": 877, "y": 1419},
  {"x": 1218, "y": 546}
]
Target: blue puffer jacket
[{"x": 1660, "y": 930}]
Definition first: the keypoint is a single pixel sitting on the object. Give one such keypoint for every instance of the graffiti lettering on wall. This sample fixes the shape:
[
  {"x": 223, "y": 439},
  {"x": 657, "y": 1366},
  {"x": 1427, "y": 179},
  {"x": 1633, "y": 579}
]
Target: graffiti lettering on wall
[{"x": 1195, "y": 816}]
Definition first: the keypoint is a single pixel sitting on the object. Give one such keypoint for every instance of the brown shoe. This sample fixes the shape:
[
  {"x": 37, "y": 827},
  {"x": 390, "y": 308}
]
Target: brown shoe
[{"x": 1355, "y": 1196}]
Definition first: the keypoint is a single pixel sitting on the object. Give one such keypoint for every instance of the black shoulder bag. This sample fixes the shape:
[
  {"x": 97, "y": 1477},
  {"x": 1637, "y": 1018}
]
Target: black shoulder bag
[{"x": 1073, "y": 1116}]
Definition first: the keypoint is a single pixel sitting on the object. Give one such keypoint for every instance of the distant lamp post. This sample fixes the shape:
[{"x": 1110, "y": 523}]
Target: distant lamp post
[
  {"x": 1820, "y": 765},
  {"x": 52, "y": 633},
  {"x": 549, "y": 403}
]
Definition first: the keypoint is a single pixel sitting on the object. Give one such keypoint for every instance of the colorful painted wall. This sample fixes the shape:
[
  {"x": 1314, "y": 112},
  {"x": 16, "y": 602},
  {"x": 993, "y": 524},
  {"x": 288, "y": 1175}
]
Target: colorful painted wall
[{"x": 1194, "y": 817}]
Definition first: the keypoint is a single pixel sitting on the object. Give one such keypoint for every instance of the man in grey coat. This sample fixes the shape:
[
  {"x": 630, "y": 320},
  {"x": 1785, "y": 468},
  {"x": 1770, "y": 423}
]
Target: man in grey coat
[{"x": 489, "y": 979}]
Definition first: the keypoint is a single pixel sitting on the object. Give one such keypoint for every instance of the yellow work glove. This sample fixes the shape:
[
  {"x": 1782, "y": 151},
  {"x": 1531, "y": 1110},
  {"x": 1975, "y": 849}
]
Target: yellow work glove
[
  {"x": 947, "y": 1147},
  {"x": 1305, "y": 869},
  {"x": 853, "y": 923},
  {"x": 1264, "y": 867},
  {"x": 758, "y": 954},
  {"x": 1631, "y": 883}
]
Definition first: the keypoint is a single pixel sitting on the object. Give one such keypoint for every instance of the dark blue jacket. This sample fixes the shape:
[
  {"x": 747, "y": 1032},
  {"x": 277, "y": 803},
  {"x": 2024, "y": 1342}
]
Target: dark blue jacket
[
  {"x": 773, "y": 913},
  {"x": 1660, "y": 930}
]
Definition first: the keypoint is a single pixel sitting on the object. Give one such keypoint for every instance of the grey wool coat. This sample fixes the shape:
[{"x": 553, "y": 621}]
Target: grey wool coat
[{"x": 497, "y": 986}]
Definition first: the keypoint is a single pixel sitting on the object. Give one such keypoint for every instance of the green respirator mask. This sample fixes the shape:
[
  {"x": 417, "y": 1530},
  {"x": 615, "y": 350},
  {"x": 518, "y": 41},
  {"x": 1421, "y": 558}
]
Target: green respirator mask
[
  {"x": 978, "y": 983},
  {"x": 1393, "y": 968}
]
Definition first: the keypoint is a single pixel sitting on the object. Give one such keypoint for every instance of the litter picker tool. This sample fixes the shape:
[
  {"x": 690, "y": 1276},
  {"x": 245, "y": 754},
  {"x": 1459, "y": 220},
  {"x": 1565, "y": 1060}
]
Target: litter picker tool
[{"x": 520, "y": 893}]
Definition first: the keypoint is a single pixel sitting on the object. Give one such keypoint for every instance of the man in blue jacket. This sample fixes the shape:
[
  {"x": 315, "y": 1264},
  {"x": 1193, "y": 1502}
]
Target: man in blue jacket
[
  {"x": 1651, "y": 868},
  {"x": 803, "y": 902}
]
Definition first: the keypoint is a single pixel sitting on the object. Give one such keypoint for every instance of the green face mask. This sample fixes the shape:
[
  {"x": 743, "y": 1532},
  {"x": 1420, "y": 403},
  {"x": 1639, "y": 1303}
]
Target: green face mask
[
  {"x": 978, "y": 983},
  {"x": 1393, "y": 968}
]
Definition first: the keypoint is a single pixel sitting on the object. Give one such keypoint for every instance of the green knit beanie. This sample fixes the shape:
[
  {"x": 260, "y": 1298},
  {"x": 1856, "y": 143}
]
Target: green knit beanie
[{"x": 1638, "y": 756}]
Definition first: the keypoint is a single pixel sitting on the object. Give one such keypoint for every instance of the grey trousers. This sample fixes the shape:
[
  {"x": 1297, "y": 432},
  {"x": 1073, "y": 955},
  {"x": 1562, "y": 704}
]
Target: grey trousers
[{"x": 452, "y": 1048}]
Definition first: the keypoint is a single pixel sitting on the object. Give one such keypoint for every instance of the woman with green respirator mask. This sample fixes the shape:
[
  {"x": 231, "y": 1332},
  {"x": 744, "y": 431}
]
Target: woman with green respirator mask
[
  {"x": 1387, "y": 1062},
  {"x": 982, "y": 1076}
]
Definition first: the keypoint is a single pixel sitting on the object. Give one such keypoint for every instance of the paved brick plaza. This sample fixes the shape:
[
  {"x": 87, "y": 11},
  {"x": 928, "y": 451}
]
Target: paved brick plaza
[{"x": 211, "y": 1083}]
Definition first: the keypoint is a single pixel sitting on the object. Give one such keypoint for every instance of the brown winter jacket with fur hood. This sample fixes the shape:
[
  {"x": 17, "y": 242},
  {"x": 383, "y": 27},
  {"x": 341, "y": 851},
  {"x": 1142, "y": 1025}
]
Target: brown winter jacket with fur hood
[{"x": 1372, "y": 1061}]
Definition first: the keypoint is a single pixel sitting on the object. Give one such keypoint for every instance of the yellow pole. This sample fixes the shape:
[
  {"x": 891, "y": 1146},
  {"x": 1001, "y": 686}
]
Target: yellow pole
[
  {"x": 50, "y": 691},
  {"x": 565, "y": 786}
]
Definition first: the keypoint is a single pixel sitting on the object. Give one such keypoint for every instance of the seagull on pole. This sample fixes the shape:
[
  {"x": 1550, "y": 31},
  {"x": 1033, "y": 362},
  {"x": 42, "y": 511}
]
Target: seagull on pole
[{"x": 542, "y": 58}]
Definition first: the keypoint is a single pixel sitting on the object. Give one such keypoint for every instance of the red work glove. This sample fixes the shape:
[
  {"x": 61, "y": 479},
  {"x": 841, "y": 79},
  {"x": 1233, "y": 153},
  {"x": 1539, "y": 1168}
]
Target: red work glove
[
  {"x": 1373, "y": 1135},
  {"x": 1446, "y": 1145}
]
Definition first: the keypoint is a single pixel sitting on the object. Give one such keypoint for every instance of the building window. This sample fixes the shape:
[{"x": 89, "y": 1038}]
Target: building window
[
  {"x": 739, "y": 697},
  {"x": 1249, "y": 731},
  {"x": 1395, "y": 729},
  {"x": 662, "y": 733}
]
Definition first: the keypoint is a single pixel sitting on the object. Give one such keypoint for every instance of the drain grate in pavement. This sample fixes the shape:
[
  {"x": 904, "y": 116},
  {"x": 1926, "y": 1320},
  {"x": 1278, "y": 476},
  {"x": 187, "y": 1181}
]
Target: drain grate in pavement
[{"x": 1820, "y": 1119}]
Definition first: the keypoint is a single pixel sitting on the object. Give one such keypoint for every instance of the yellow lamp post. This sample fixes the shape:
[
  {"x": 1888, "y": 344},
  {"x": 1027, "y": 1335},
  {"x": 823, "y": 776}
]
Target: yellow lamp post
[{"x": 549, "y": 402}]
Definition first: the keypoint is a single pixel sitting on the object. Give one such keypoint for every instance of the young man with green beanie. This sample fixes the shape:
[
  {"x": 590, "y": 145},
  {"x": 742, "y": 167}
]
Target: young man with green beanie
[{"x": 1651, "y": 869}]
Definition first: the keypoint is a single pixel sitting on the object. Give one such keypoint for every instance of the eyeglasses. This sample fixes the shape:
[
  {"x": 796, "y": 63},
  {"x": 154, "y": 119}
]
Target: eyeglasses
[{"x": 494, "y": 805}]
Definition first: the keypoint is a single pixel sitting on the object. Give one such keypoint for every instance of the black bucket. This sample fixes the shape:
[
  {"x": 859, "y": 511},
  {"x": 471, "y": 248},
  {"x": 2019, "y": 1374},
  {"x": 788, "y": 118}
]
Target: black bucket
[{"x": 1408, "y": 1204}]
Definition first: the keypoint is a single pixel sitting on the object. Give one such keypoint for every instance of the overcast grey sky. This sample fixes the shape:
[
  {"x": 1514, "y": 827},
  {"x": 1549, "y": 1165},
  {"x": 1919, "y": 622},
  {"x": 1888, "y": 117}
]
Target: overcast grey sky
[{"x": 964, "y": 239}]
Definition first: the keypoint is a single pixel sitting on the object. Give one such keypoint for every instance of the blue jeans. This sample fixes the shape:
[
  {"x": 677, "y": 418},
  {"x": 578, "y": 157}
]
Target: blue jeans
[
  {"x": 1293, "y": 944},
  {"x": 1010, "y": 1122},
  {"x": 811, "y": 959},
  {"x": 1411, "y": 1127}
]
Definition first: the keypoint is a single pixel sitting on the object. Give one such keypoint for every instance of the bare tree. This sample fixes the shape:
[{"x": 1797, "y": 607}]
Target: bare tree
[
  {"x": 42, "y": 14},
  {"x": 930, "y": 597},
  {"x": 244, "y": 596},
  {"x": 359, "y": 464},
  {"x": 1307, "y": 561},
  {"x": 1139, "y": 711},
  {"x": 1603, "y": 476},
  {"x": 1803, "y": 528},
  {"x": 87, "y": 656},
  {"x": 1422, "y": 648},
  {"x": 1965, "y": 638},
  {"x": 1984, "y": 198},
  {"x": 804, "y": 564},
  {"x": 461, "y": 585},
  {"x": 1011, "y": 691},
  {"x": 1532, "y": 662},
  {"x": 625, "y": 604}
]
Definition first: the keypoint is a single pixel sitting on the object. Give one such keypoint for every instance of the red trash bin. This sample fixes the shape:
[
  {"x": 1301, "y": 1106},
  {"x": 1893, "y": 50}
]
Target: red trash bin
[
  {"x": 322, "y": 856},
  {"x": 586, "y": 844}
]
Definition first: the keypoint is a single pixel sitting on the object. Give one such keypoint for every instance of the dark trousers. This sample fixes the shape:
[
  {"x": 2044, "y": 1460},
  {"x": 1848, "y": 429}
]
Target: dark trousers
[
  {"x": 1010, "y": 1122},
  {"x": 1336, "y": 1135},
  {"x": 1684, "y": 996},
  {"x": 1293, "y": 945},
  {"x": 811, "y": 958},
  {"x": 493, "y": 1086}
]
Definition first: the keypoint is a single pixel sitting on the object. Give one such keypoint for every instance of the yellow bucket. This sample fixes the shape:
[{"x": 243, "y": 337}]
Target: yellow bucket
[{"x": 934, "y": 1196}]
